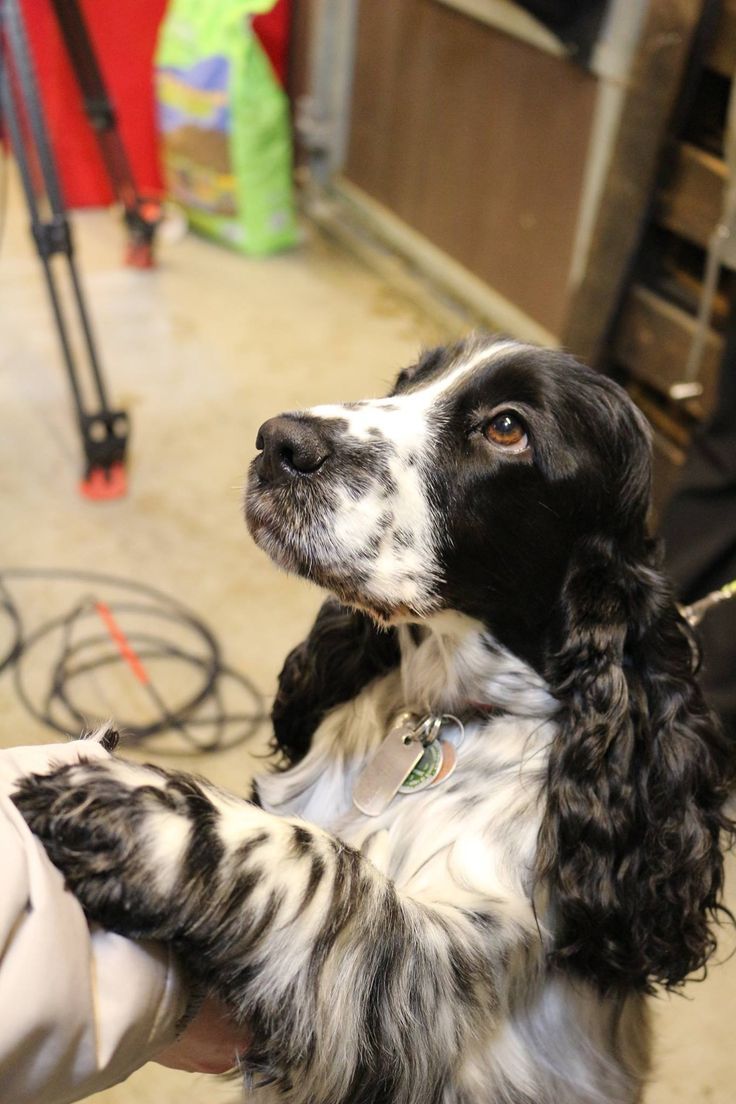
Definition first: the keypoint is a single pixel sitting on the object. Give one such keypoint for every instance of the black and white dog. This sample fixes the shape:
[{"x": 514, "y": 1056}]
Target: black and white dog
[{"x": 502, "y": 821}]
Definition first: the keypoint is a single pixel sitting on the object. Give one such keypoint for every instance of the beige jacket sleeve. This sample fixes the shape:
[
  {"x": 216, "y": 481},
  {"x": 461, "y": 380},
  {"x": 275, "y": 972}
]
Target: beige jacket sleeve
[{"x": 80, "y": 1009}]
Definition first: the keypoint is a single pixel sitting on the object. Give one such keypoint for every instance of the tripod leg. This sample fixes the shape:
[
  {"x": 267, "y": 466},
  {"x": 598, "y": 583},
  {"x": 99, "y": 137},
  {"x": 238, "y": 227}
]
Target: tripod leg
[
  {"x": 141, "y": 216},
  {"x": 104, "y": 432},
  {"x": 60, "y": 229}
]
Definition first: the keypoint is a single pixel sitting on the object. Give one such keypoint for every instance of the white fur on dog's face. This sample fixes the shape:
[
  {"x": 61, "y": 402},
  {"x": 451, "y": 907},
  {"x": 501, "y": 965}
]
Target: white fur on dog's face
[{"x": 366, "y": 525}]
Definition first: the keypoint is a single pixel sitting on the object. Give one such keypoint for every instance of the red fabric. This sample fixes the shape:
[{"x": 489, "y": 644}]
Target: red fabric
[
  {"x": 123, "y": 34},
  {"x": 273, "y": 31}
]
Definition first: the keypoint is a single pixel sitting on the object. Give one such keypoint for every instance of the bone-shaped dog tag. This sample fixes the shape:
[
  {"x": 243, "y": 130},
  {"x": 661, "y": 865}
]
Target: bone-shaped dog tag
[{"x": 389, "y": 765}]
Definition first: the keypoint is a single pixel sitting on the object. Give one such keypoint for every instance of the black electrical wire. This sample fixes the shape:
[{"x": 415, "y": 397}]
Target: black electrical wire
[{"x": 201, "y": 721}]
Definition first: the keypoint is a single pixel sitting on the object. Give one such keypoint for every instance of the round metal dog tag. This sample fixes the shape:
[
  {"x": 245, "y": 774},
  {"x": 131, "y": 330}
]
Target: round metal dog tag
[
  {"x": 426, "y": 770},
  {"x": 449, "y": 762}
]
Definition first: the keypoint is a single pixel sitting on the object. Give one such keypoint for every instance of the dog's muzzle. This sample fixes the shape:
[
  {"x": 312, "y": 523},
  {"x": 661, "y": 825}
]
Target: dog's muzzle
[{"x": 291, "y": 446}]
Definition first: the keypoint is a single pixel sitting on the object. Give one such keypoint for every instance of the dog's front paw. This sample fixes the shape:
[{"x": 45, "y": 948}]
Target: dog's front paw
[{"x": 97, "y": 822}]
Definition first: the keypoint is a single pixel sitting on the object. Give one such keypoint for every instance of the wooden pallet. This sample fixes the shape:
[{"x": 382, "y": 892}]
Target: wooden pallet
[{"x": 656, "y": 321}]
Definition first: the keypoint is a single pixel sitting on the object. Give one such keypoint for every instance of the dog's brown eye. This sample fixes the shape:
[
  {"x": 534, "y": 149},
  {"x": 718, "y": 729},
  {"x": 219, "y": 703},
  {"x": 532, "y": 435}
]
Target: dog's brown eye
[{"x": 506, "y": 430}]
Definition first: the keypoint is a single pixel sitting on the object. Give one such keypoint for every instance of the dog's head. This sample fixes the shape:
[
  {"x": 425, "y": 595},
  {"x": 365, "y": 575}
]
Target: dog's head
[
  {"x": 467, "y": 488},
  {"x": 512, "y": 484}
]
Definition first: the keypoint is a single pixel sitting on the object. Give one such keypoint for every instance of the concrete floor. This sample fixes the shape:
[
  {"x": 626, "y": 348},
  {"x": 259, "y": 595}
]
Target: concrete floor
[{"x": 201, "y": 351}]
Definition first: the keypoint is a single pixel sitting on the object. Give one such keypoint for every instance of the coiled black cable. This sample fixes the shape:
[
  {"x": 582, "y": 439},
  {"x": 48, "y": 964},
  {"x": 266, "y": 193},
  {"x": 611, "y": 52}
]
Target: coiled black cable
[{"x": 102, "y": 628}]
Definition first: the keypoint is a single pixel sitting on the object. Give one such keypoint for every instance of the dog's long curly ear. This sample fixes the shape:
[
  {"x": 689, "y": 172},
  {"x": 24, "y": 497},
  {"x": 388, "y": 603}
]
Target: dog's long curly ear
[
  {"x": 344, "y": 651},
  {"x": 631, "y": 842}
]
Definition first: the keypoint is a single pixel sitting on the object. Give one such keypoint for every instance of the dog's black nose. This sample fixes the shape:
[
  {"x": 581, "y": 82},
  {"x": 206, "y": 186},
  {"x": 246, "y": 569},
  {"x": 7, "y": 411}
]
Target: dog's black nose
[{"x": 291, "y": 445}]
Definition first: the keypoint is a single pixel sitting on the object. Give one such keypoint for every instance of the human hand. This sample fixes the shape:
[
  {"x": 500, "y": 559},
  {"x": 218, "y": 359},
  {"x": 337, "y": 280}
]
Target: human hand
[{"x": 210, "y": 1044}]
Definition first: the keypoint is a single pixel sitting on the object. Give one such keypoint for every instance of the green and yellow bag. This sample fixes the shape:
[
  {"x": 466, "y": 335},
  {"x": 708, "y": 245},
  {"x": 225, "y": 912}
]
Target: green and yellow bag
[{"x": 224, "y": 120}]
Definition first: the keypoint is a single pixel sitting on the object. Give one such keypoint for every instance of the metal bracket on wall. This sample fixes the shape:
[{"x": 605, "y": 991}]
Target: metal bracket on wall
[{"x": 323, "y": 116}]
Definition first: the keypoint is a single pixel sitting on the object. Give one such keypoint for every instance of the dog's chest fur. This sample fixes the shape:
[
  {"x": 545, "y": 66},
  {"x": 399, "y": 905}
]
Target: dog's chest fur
[
  {"x": 477, "y": 828},
  {"x": 470, "y": 843}
]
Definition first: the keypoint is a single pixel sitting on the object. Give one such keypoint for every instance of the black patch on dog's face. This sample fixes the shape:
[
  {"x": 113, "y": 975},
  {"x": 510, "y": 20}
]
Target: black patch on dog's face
[
  {"x": 511, "y": 520},
  {"x": 420, "y": 509}
]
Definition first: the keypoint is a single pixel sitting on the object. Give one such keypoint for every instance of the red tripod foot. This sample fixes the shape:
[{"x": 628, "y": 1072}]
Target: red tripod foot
[
  {"x": 139, "y": 255},
  {"x": 103, "y": 484}
]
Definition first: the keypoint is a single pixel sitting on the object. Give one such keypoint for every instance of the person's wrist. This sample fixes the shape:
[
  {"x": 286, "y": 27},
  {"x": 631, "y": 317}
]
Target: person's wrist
[{"x": 212, "y": 1041}]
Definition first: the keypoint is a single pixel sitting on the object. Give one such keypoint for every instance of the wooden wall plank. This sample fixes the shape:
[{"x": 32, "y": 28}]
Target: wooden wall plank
[
  {"x": 652, "y": 342},
  {"x": 477, "y": 141},
  {"x": 689, "y": 203},
  {"x": 722, "y": 53},
  {"x": 670, "y": 429},
  {"x": 654, "y": 85}
]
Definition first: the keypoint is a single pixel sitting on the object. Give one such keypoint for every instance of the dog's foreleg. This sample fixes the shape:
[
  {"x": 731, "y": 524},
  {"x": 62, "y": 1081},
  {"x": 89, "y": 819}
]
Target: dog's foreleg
[{"x": 353, "y": 991}]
